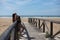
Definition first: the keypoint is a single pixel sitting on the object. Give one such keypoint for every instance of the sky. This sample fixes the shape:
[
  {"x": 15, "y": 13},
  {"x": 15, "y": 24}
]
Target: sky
[{"x": 30, "y": 7}]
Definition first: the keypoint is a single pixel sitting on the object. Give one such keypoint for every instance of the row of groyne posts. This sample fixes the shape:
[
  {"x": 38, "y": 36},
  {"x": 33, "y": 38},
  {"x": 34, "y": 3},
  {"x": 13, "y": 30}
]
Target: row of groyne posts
[
  {"x": 37, "y": 22},
  {"x": 11, "y": 32}
]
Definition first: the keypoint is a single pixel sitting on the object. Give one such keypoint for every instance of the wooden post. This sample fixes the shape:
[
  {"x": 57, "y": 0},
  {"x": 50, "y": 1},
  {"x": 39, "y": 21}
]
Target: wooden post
[
  {"x": 31, "y": 20},
  {"x": 36, "y": 22},
  {"x": 51, "y": 29},
  {"x": 39, "y": 23},
  {"x": 18, "y": 26},
  {"x": 43, "y": 26},
  {"x": 28, "y": 20}
]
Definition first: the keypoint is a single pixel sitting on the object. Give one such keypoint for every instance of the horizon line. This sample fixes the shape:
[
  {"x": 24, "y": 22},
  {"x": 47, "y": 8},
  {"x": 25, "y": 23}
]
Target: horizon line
[{"x": 32, "y": 15}]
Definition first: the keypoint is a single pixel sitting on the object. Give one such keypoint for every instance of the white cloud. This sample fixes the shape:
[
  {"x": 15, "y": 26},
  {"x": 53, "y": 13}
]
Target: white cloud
[
  {"x": 23, "y": 2},
  {"x": 50, "y": 10},
  {"x": 50, "y": 3},
  {"x": 13, "y": 4},
  {"x": 18, "y": 2},
  {"x": 53, "y": 11}
]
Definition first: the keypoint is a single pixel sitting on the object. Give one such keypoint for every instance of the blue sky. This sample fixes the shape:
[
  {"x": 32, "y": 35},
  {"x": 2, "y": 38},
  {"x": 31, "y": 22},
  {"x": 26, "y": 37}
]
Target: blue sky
[{"x": 30, "y": 7}]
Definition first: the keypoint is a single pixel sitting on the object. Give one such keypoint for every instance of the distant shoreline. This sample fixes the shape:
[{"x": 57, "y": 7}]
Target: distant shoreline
[{"x": 32, "y": 15}]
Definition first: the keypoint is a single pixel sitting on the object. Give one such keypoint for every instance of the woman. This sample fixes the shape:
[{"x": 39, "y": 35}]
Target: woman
[
  {"x": 14, "y": 17},
  {"x": 20, "y": 26}
]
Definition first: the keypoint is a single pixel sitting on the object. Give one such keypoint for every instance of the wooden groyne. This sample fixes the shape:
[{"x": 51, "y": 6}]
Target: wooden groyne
[
  {"x": 11, "y": 32},
  {"x": 37, "y": 22}
]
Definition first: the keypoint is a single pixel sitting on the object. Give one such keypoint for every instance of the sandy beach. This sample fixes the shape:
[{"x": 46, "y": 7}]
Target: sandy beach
[{"x": 6, "y": 22}]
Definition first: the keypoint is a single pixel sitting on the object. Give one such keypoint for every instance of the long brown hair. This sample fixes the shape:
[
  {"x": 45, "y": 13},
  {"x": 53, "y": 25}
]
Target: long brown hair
[{"x": 18, "y": 19}]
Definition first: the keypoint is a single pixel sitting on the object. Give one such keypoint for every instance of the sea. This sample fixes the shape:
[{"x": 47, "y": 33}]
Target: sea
[{"x": 32, "y": 16}]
